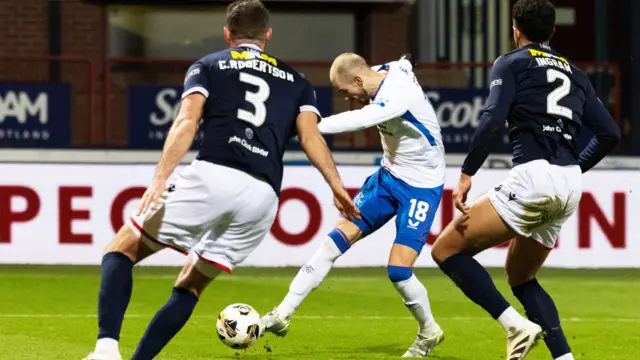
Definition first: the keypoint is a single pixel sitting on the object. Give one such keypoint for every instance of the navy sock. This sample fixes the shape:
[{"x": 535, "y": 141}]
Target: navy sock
[
  {"x": 166, "y": 324},
  {"x": 475, "y": 282},
  {"x": 541, "y": 310},
  {"x": 115, "y": 292}
]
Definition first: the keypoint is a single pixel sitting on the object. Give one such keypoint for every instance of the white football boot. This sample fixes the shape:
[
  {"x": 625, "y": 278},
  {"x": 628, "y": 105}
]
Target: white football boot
[
  {"x": 423, "y": 345},
  {"x": 274, "y": 323},
  {"x": 100, "y": 356},
  {"x": 520, "y": 342}
]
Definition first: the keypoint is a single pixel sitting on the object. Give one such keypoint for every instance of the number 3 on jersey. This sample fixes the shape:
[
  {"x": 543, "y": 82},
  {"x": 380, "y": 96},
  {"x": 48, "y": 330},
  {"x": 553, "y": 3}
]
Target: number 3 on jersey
[
  {"x": 558, "y": 94},
  {"x": 257, "y": 99},
  {"x": 418, "y": 210}
]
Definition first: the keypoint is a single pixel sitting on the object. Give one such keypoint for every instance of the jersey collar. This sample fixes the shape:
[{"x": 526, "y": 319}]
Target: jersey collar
[
  {"x": 379, "y": 87},
  {"x": 251, "y": 46}
]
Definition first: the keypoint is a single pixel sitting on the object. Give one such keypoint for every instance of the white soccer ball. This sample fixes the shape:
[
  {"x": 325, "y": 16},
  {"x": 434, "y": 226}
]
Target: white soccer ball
[{"x": 238, "y": 326}]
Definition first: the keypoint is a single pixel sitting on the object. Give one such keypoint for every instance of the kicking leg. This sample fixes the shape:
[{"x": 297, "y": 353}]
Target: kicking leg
[
  {"x": 524, "y": 260},
  {"x": 480, "y": 229},
  {"x": 168, "y": 321},
  {"x": 414, "y": 295},
  {"x": 312, "y": 274},
  {"x": 116, "y": 284},
  {"x": 376, "y": 207},
  {"x": 415, "y": 214}
]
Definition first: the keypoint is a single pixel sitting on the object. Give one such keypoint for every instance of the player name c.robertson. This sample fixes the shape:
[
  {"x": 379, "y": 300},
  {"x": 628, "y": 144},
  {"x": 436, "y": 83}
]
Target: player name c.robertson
[
  {"x": 254, "y": 149},
  {"x": 256, "y": 61}
]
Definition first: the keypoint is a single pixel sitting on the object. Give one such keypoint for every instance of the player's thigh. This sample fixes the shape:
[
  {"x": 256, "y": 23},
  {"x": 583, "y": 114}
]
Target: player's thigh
[
  {"x": 416, "y": 212},
  {"x": 480, "y": 229},
  {"x": 524, "y": 258},
  {"x": 376, "y": 204},
  {"x": 193, "y": 202},
  {"x": 230, "y": 241}
]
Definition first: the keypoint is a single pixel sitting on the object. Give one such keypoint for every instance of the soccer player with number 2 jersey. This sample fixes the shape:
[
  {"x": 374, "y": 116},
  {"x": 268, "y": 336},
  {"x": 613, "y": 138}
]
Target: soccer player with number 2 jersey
[{"x": 545, "y": 100}]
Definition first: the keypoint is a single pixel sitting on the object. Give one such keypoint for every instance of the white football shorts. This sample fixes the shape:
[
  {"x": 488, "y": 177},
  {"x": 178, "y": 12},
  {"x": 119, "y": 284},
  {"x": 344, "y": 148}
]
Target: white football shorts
[
  {"x": 216, "y": 213},
  {"x": 537, "y": 199}
]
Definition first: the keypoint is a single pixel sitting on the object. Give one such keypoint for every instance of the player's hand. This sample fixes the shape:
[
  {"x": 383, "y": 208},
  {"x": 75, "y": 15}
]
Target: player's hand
[
  {"x": 460, "y": 194},
  {"x": 154, "y": 197},
  {"x": 345, "y": 205}
]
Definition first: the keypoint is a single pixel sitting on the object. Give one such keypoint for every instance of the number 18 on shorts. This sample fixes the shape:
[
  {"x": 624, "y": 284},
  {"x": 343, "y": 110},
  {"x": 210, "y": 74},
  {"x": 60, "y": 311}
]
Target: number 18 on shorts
[{"x": 384, "y": 196}]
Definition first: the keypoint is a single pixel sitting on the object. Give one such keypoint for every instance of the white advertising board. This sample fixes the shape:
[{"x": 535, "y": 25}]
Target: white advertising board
[{"x": 66, "y": 214}]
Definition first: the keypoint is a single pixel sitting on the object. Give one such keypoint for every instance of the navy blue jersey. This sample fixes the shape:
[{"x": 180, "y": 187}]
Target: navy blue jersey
[
  {"x": 253, "y": 101},
  {"x": 545, "y": 100}
]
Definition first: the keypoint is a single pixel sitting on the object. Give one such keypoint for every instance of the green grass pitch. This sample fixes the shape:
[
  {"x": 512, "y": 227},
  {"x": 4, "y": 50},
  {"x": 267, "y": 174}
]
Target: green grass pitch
[{"x": 48, "y": 312}]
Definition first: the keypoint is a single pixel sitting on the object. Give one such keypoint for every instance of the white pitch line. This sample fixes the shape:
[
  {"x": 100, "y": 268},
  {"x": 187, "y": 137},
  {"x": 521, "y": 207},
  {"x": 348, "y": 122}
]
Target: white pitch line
[{"x": 314, "y": 317}]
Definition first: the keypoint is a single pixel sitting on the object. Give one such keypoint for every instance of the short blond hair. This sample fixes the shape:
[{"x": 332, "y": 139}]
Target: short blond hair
[{"x": 347, "y": 65}]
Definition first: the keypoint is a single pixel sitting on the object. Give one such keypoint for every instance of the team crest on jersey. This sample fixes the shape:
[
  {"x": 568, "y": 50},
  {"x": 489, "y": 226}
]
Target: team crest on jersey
[
  {"x": 191, "y": 73},
  {"x": 249, "y": 133},
  {"x": 358, "y": 199}
]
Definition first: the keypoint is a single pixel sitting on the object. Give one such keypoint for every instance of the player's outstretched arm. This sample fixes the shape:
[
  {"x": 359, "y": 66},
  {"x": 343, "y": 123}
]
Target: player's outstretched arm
[
  {"x": 606, "y": 132},
  {"x": 317, "y": 151},
  {"x": 178, "y": 142},
  {"x": 370, "y": 115}
]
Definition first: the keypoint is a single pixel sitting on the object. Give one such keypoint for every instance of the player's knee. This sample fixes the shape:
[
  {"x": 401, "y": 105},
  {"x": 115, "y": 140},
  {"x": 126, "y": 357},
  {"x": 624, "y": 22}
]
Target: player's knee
[
  {"x": 126, "y": 242},
  {"x": 399, "y": 273},
  {"x": 194, "y": 286},
  {"x": 193, "y": 290},
  {"x": 340, "y": 240},
  {"x": 442, "y": 249},
  {"x": 195, "y": 277},
  {"x": 438, "y": 253},
  {"x": 517, "y": 278}
]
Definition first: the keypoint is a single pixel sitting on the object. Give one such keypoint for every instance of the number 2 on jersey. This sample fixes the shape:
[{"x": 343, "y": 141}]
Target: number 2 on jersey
[
  {"x": 418, "y": 209},
  {"x": 558, "y": 94},
  {"x": 257, "y": 99}
]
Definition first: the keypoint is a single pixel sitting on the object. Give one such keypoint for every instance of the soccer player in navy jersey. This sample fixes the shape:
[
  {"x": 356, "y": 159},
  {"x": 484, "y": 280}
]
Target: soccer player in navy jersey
[
  {"x": 221, "y": 206},
  {"x": 545, "y": 100}
]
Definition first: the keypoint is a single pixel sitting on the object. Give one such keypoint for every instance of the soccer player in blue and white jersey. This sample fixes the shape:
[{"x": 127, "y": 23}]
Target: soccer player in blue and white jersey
[
  {"x": 545, "y": 100},
  {"x": 220, "y": 207},
  {"x": 408, "y": 185}
]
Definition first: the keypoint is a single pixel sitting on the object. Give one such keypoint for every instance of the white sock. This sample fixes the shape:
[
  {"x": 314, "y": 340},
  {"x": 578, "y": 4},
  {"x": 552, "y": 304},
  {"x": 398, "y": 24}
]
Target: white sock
[
  {"x": 107, "y": 346},
  {"x": 416, "y": 299},
  {"x": 568, "y": 356},
  {"x": 309, "y": 277},
  {"x": 512, "y": 320}
]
